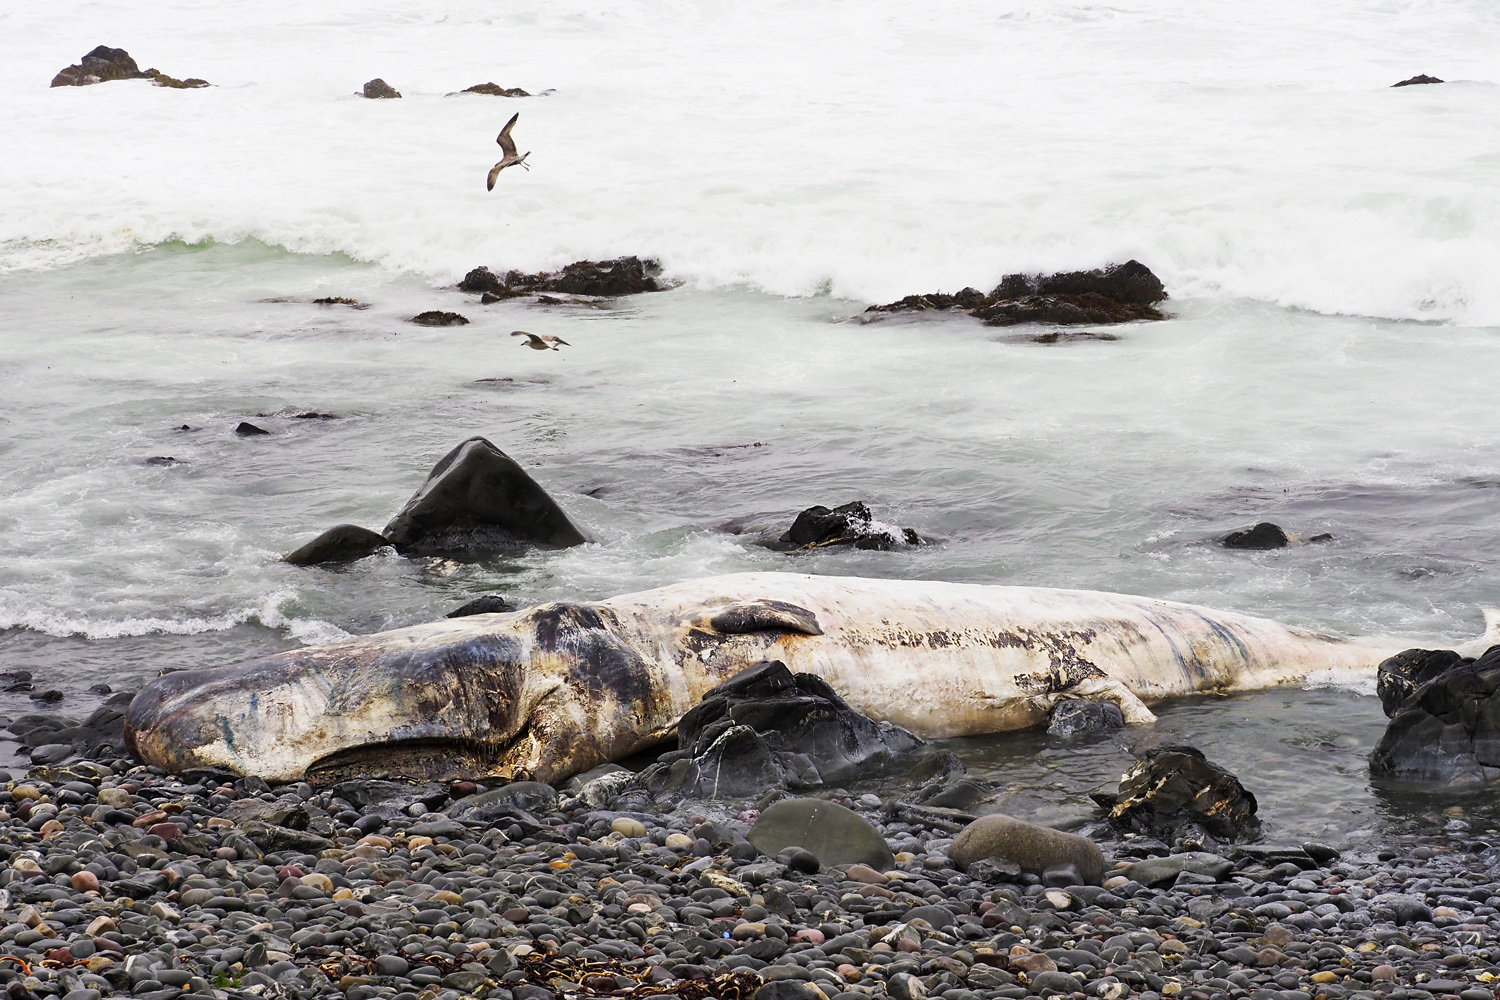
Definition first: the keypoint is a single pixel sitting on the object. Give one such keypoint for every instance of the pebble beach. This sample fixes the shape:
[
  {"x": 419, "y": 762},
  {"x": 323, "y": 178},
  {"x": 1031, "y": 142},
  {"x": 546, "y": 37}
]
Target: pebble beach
[{"x": 122, "y": 880}]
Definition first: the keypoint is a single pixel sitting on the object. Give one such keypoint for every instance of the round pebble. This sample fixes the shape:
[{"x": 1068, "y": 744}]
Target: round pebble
[{"x": 628, "y": 827}]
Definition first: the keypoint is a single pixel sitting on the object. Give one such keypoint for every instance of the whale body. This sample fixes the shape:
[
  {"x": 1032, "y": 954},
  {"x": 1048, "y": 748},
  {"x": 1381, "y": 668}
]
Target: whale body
[{"x": 551, "y": 691}]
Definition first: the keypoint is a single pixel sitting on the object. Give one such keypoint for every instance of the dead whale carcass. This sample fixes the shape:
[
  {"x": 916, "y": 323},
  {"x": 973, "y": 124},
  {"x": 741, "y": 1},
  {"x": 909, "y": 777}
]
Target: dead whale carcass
[{"x": 553, "y": 690}]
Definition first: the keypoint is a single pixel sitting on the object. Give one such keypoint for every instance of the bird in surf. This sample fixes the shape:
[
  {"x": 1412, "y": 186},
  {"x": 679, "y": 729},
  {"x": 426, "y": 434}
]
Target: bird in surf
[
  {"x": 542, "y": 342},
  {"x": 508, "y": 147}
]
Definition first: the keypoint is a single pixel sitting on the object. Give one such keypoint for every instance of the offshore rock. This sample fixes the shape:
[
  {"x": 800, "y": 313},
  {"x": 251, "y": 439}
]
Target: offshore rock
[
  {"x": 103, "y": 64},
  {"x": 1036, "y": 849},
  {"x": 1264, "y": 535},
  {"x": 851, "y": 524},
  {"x": 766, "y": 728},
  {"x": 489, "y": 604},
  {"x": 1115, "y": 294},
  {"x": 478, "y": 500},
  {"x": 1398, "y": 678},
  {"x": 340, "y": 543},
  {"x": 378, "y": 89},
  {"x": 621, "y": 276},
  {"x": 828, "y": 831},
  {"x": 1418, "y": 79},
  {"x": 1175, "y": 787},
  {"x": 495, "y": 90},
  {"x": 437, "y": 317},
  {"x": 1447, "y": 732}
]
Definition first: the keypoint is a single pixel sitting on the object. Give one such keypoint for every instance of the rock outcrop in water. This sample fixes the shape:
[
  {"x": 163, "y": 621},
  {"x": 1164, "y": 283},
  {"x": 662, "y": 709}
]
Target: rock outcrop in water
[
  {"x": 852, "y": 524},
  {"x": 378, "y": 89},
  {"x": 103, "y": 64},
  {"x": 437, "y": 317},
  {"x": 1115, "y": 294},
  {"x": 1264, "y": 535},
  {"x": 475, "y": 501},
  {"x": 1446, "y": 731},
  {"x": 606, "y": 278},
  {"x": 1420, "y": 78},
  {"x": 766, "y": 728},
  {"x": 494, "y": 90},
  {"x": 1174, "y": 791}
]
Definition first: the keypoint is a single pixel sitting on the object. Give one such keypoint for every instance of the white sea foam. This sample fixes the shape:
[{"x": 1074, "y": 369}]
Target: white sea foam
[
  {"x": 1342, "y": 679},
  {"x": 869, "y": 150}
]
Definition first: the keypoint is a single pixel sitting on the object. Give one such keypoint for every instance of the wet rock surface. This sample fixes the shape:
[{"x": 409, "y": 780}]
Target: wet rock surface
[
  {"x": 766, "y": 729},
  {"x": 850, "y": 524},
  {"x": 437, "y": 317},
  {"x": 103, "y": 64},
  {"x": 1084, "y": 718},
  {"x": 1420, "y": 78},
  {"x": 1446, "y": 731},
  {"x": 1263, "y": 536},
  {"x": 487, "y": 605},
  {"x": 603, "y": 278},
  {"x": 494, "y": 90},
  {"x": 119, "y": 880},
  {"x": 1174, "y": 790},
  {"x": 1115, "y": 294},
  {"x": 474, "y": 502}
]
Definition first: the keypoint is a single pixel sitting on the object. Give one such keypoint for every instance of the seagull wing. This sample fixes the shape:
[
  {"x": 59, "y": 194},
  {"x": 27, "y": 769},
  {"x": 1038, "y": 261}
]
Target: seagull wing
[
  {"x": 489, "y": 185},
  {"x": 521, "y": 333},
  {"x": 559, "y": 340},
  {"x": 507, "y": 144}
]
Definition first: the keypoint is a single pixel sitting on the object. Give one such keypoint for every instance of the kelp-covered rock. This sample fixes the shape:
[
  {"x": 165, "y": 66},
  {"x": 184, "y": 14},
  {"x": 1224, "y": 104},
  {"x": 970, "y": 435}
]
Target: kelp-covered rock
[
  {"x": 621, "y": 276},
  {"x": 1447, "y": 732},
  {"x": 478, "y": 500},
  {"x": 494, "y": 90},
  {"x": 1115, "y": 294},
  {"x": 766, "y": 728},
  {"x": 1398, "y": 677},
  {"x": 103, "y": 64},
  {"x": 1171, "y": 789},
  {"x": 438, "y": 317},
  {"x": 850, "y": 524}
]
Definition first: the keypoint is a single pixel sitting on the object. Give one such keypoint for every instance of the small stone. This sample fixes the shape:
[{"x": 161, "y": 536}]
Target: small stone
[
  {"x": 115, "y": 798},
  {"x": 1324, "y": 977},
  {"x": 1383, "y": 974},
  {"x": 627, "y": 827},
  {"x": 85, "y": 881},
  {"x": 866, "y": 874},
  {"x": 318, "y": 881},
  {"x": 679, "y": 842}
]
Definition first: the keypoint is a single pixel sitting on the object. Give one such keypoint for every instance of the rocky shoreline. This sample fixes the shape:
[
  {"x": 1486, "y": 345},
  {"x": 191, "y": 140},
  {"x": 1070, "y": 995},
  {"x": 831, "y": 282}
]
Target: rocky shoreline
[{"x": 121, "y": 879}]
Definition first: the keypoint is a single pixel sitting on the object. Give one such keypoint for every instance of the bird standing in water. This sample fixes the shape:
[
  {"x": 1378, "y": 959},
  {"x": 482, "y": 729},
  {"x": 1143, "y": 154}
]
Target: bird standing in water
[
  {"x": 541, "y": 342},
  {"x": 508, "y": 147}
]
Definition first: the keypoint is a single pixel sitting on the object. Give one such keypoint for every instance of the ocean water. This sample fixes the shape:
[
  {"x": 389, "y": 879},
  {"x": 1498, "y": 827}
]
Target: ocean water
[{"x": 1331, "y": 246}]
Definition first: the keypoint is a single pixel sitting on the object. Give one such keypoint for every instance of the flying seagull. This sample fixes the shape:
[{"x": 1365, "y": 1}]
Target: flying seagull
[
  {"x": 508, "y": 147},
  {"x": 540, "y": 343}
]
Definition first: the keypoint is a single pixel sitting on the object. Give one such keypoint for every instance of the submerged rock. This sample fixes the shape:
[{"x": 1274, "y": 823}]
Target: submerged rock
[
  {"x": 1446, "y": 732},
  {"x": 495, "y": 90},
  {"x": 1264, "y": 535},
  {"x": 1172, "y": 788},
  {"x": 340, "y": 543},
  {"x": 378, "y": 89},
  {"x": 247, "y": 429},
  {"x": 1078, "y": 718},
  {"x": 766, "y": 728},
  {"x": 851, "y": 524},
  {"x": 487, "y": 605},
  {"x": 621, "y": 276},
  {"x": 1036, "y": 849},
  {"x": 103, "y": 64},
  {"x": 1398, "y": 677},
  {"x": 826, "y": 830},
  {"x": 1420, "y": 78},
  {"x": 436, "y": 317},
  {"x": 1115, "y": 294},
  {"x": 478, "y": 500}
]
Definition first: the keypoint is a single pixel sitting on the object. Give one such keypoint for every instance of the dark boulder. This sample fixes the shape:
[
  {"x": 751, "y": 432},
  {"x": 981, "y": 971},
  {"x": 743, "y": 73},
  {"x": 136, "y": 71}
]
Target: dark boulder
[
  {"x": 1409, "y": 82},
  {"x": 487, "y": 605},
  {"x": 247, "y": 429},
  {"x": 1264, "y": 535},
  {"x": 621, "y": 276},
  {"x": 1172, "y": 788},
  {"x": 1447, "y": 732},
  {"x": 341, "y": 543},
  {"x": 103, "y": 64},
  {"x": 1397, "y": 678},
  {"x": 495, "y": 90},
  {"x": 1115, "y": 294},
  {"x": 767, "y": 728},
  {"x": 1079, "y": 718},
  {"x": 478, "y": 500},
  {"x": 851, "y": 524},
  {"x": 436, "y": 317},
  {"x": 378, "y": 89}
]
